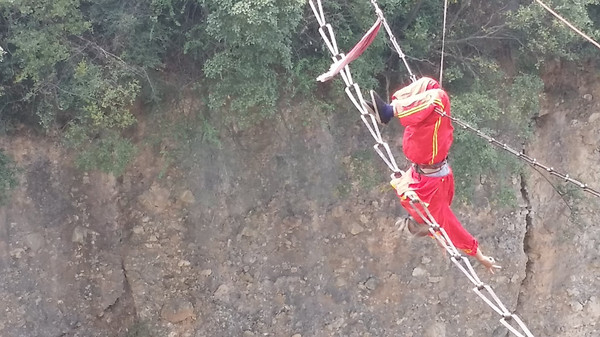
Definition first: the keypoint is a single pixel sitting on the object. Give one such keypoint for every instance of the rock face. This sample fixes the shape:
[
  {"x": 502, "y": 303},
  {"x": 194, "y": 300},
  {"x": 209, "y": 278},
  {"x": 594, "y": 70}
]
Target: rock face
[
  {"x": 563, "y": 239},
  {"x": 60, "y": 242},
  {"x": 282, "y": 231},
  {"x": 178, "y": 310}
]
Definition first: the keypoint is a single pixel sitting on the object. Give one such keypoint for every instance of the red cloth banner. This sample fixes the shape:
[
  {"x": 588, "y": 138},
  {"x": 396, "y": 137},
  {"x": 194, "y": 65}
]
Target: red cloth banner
[{"x": 360, "y": 47}]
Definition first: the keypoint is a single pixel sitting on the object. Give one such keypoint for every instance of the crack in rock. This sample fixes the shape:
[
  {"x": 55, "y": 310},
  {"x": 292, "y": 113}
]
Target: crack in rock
[{"x": 526, "y": 242}]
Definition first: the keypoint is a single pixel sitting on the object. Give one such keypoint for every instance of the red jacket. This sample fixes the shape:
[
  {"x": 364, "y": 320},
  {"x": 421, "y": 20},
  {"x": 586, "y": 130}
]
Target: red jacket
[
  {"x": 437, "y": 193},
  {"x": 427, "y": 135}
]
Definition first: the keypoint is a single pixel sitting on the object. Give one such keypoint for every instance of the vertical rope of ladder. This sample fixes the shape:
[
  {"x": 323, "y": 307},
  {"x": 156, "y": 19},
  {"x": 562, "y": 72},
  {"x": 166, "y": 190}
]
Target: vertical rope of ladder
[
  {"x": 353, "y": 90},
  {"x": 443, "y": 41},
  {"x": 393, "y": 39}
]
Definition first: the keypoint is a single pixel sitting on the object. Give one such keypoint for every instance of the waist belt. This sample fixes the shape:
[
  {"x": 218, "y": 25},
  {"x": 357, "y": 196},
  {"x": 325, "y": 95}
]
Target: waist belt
[
  {"x": 431, "y": 169},
  {"x": 433, "y": 166}
]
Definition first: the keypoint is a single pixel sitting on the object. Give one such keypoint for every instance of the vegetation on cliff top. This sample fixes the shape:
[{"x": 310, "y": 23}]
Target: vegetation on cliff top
[{"x": 76, "y": 67}]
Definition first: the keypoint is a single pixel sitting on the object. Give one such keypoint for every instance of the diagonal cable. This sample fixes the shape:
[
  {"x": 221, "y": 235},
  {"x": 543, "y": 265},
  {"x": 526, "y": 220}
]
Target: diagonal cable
[
  {"x": 568, "y": 24},
  {"x": 392, "y": 38},
  {"x": 522, "y": 156}
]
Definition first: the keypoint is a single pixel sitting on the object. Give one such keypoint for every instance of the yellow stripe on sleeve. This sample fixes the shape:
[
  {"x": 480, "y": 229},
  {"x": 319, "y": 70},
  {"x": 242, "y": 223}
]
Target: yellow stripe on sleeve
[
  {"x": 417, "y": 108},
  {"x": 439, "y": 102},
  {"x": 435, "y": 140}
]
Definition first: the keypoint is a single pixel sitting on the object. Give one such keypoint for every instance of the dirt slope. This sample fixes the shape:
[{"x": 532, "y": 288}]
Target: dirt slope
[{"x": 287, "y": 229}]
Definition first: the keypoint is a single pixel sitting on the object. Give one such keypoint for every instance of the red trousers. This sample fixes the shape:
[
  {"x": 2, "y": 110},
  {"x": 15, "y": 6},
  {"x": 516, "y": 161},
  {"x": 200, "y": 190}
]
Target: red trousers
[{"x": 437, "y": 193}]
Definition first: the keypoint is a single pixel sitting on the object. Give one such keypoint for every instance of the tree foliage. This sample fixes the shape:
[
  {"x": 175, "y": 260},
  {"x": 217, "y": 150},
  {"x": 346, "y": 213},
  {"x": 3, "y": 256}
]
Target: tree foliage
[
  {"x": 544, "y": 36},
  {"x": 78, "y": 66},
  {"x": 249, "y": 46}
]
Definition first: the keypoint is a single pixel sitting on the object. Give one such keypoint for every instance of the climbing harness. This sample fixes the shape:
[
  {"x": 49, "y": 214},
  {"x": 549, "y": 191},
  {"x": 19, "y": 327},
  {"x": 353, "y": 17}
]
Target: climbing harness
[{"x": 435, "y": 229}]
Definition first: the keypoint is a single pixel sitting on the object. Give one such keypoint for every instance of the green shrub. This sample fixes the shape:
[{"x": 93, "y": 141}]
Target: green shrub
[
  {"x": 110, "y": 153},
  {"x": 8, "y": 177}
]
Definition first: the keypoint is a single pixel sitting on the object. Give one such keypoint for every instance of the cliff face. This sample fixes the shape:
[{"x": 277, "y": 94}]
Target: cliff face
[
  {"x": 563, "y": 239},
  {"x": 287, "y": 229}
]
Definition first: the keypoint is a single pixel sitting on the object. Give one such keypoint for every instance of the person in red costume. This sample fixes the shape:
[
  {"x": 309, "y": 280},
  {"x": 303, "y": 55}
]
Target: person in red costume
[{"x": 427, "y": 139}]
